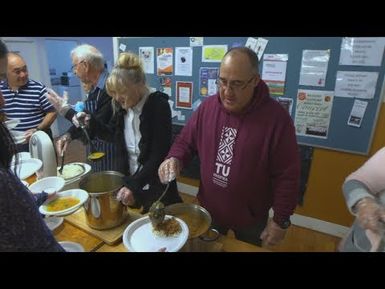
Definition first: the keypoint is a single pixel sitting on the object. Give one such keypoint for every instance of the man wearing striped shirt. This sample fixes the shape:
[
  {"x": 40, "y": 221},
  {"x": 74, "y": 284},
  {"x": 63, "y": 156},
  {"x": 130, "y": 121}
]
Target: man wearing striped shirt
[{"x": 25, "y": 99}]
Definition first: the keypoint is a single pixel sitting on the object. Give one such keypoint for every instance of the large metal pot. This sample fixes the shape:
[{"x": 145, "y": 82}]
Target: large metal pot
[
  {"x": 102, "y": 209},
  {"x": 197, "y": 218}
]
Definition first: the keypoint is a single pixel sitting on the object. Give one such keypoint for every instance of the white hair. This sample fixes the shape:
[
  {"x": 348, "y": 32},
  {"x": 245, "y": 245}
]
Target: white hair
[{"x": 89, "y": 53}]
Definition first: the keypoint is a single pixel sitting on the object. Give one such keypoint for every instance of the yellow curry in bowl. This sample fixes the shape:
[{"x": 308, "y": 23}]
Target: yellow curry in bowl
[{"x": 62, "y": 203}]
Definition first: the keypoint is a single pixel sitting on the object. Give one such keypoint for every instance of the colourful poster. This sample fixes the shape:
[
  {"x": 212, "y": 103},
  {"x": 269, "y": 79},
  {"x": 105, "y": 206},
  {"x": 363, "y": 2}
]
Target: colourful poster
[
  {"x": 207, "y": 80},
  {"x": 184, "y": 94},
  {"x": 165, "y": 85},
  {"x": 164, "y": 61}
]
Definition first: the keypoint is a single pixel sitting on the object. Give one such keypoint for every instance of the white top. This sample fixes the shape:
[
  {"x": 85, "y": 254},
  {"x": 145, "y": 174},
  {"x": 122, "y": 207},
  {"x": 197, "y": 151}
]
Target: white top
[{"x": 132, "y": 133}]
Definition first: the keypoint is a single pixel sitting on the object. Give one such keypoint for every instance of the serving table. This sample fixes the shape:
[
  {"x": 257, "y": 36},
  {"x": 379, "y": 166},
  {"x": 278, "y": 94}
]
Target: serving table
[{"x": 75, "y": 229}]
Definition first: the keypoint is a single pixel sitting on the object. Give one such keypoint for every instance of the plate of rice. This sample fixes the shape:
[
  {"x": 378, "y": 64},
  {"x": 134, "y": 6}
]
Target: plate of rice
[{"x": 141, "y": 236}]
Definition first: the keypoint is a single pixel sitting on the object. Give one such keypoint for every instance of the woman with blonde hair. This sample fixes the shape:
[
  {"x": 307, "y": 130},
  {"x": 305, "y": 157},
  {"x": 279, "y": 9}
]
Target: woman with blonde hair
[{"x": 141, "y": 128}]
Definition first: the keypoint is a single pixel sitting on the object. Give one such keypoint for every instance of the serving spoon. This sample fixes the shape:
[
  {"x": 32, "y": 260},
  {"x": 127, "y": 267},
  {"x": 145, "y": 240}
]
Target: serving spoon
[
  {"x": 62, "y": 162},
  {"x": 157, "y": 211},
  {"x": 94, "y": 155}
]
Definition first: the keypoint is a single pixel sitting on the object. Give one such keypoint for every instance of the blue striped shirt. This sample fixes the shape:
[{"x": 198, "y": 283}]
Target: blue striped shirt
[{"x": 29, "y": 104}]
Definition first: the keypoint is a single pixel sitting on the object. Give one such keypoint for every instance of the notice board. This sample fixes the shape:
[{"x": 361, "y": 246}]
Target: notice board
[{"x": 340, "y": 136}]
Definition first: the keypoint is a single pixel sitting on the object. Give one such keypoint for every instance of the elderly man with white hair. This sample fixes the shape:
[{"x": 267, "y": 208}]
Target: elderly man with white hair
[{"x": 89, "y": 65}]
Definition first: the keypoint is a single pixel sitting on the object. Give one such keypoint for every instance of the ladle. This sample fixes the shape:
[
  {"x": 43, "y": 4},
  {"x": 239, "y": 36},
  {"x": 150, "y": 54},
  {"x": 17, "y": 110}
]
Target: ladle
[
  {"x": 62, "y": 162},
  {"x": 157, "y": 211},
  {"x": 94, "y": 155}
]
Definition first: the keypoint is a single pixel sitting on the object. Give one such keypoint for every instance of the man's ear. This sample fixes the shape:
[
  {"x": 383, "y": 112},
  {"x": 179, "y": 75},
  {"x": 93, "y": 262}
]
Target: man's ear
[
  {"x": 86, "y": 65},
  {"x": 257, "y": 79}
]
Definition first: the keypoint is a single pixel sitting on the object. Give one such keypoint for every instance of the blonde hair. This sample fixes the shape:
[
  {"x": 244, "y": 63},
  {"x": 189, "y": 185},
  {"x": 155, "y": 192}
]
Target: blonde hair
[{"x": 127, "y": 71}]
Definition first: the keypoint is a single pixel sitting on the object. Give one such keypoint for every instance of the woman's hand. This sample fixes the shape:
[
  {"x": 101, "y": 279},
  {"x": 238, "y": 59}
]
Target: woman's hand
[{"x": 126, "y": 196}]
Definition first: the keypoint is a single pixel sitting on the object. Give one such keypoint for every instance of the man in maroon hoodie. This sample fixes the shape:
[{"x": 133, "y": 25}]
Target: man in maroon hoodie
[{"x": 248, "y": 152}]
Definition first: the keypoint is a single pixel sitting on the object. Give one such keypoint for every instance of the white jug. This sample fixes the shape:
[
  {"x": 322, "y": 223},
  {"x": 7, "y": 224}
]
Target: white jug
[{"x": 41, "y": 147}]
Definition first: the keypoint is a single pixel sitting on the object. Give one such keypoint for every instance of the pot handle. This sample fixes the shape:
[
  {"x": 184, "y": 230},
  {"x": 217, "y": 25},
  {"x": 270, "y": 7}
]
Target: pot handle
[
  {"x": 95, "y": 207},
  {"x": 205, "y": 237}
]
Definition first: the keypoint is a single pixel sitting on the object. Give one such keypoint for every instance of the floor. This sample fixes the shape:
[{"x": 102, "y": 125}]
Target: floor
[{"x": 298, "y": 239}]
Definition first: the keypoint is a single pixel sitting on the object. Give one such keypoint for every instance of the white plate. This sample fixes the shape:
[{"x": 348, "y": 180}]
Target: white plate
[
  {"x": 79, "y": 169},
  {"x": 49, "y": 185},
  {"x": 12, "y": 123},
  {"x": 18, "y": 136},
  {"x": 22, "y": 156},
  {"x": 139, "y": 237},
  {"x": 82, "y": 195},
  {"x": 25, "y": 183},
  {"x": 27, "y": 168},
  {"x": 71, "y": 246},
  {"x": 53, "y": 222}
]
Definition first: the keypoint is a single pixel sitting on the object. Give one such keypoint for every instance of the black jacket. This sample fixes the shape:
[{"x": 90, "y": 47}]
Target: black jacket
[
  {"x": 103, "y": 112},
  {"x": 155, "y": 127}
]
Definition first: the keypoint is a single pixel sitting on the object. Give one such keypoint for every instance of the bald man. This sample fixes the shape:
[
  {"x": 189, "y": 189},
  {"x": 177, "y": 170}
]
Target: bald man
[
  {"x": 25, "y": 99},
  {"x": 248, "y": 154}
]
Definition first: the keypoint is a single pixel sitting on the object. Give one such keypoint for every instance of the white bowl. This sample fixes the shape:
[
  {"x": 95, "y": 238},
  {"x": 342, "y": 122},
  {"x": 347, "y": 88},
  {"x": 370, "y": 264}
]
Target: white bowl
[
  {"x": 71, "y": 246},
  {"x": 26, "y": 168},
  {"x": 82, "y": 195},
  {"x": 53, "y": 222},
  {"x": 49, "y": 185},
  {"x": 11, "y": 123},
  {"x": 72, "y": 171}
]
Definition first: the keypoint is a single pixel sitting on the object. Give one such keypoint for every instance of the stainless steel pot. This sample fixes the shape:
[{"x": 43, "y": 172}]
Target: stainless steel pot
[
  {"x": 197, "y": 218},
  {"x": 102, "y": 209}
]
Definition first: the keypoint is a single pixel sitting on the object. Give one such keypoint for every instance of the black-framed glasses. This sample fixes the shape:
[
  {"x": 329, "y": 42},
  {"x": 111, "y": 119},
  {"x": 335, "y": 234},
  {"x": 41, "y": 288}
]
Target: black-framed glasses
[
  {"x": 235, "y": 85},
  {"x": 76, "y": 65}
]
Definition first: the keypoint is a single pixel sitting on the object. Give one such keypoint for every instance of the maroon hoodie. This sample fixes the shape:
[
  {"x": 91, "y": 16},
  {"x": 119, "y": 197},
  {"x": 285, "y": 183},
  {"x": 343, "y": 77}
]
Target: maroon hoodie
[{"x": 248, "y": 163}]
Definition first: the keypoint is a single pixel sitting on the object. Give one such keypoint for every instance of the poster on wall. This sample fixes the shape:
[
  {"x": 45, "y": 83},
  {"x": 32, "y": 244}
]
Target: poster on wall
[
  {"x": 164, "y": 61},
  {"x": 183, "y": 61},
  {"x": 165, "y": 85},
  {"x": 196, "y": 41},
  {"x": 360, "y": 84},
  {"x": 146, "y": 55},
  {"x": 313, "y": 111},
  {"x": 184, "y": 94},
  {"x": 364, "y": 51},
  {"x": 213, "y": 53},
  {"x": 286, "y": 102},
  {"x": 314, "y": 67},
  {"x": 207, "y": 80},
  {"x": 274, "y": 72},
  {"x": 357, "y": 113}
]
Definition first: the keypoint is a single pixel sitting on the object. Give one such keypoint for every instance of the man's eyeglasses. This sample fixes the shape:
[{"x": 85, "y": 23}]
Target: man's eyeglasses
[
  {"x": 235, "y": 85},
  {"x": 73, "y": 67}
]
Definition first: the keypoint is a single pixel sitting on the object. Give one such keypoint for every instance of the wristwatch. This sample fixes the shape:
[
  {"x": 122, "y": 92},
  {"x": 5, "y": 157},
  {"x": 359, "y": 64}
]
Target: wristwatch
[{"x": 283, "y": 224}]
